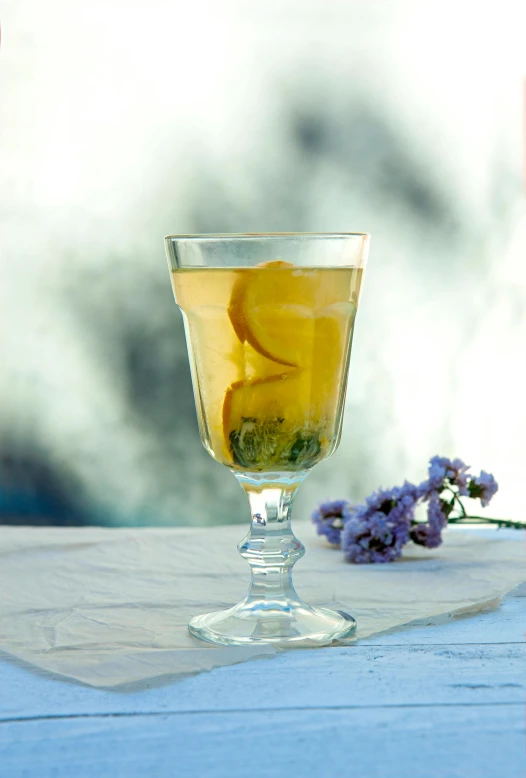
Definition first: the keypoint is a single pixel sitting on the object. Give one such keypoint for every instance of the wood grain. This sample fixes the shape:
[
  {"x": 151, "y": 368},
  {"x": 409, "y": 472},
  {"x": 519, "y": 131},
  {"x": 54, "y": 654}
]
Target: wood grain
[{"x": 422, "y": 742}]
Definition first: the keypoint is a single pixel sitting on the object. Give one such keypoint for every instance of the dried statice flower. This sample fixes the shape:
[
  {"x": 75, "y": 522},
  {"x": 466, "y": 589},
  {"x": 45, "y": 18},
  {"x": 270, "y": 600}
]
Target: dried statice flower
[
  {"x": 376, "y": 530},
  {"x": 443, "y": 471},
  {"x": 429, "y": 533},
  {"x": 329, "y": 518},
  {"x": 483, "y": 487}
]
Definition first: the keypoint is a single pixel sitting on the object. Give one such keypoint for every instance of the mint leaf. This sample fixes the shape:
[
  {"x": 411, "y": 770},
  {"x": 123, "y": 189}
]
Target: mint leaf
[{"x": 269, "y": 445}]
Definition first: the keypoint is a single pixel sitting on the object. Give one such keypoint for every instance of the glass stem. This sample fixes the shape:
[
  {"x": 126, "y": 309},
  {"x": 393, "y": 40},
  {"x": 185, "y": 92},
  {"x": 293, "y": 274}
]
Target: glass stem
[{"x": 271, "y": 548}]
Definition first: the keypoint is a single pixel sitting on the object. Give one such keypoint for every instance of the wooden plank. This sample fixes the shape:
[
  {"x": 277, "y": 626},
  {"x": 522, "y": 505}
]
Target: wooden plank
[
  {"x": 422, "y": 742},
  {"x": 506, "y": 624},
  {"x": 339, "y": 677}
]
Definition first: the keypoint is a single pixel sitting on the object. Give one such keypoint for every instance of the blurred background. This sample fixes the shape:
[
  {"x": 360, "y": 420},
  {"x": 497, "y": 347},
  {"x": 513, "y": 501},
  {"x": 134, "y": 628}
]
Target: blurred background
[{"x": 121, "y": 122}]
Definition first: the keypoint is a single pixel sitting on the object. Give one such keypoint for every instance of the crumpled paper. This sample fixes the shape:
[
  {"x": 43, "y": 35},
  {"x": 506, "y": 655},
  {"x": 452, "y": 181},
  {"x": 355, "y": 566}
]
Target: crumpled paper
[{"x": 110, "y": 606}]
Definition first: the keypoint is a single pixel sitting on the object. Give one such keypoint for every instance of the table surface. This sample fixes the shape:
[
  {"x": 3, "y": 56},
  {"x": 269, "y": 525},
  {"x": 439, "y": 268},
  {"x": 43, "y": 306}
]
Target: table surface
[{"x": 445, "y": 700}]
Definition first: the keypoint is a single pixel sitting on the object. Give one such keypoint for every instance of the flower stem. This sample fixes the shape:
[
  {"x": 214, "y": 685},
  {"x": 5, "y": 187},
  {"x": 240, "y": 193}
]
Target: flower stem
[
  {"x": 459, "y": 502},
  {"x": 465, "y": 519},
  {"x": 456, "y": 499}
]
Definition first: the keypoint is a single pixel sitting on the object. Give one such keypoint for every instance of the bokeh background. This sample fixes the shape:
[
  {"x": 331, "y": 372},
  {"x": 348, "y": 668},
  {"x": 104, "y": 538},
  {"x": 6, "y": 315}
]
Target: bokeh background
[{"x": 121, "y": 122}]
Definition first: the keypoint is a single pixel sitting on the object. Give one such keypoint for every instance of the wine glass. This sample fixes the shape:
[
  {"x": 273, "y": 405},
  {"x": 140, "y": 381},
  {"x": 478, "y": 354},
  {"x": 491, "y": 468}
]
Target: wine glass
[{"x": 269, "y": 320}]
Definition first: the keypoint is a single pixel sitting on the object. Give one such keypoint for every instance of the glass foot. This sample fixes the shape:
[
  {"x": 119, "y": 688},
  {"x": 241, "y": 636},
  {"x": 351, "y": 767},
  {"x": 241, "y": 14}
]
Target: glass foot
[{"x": 283, "y": 624}]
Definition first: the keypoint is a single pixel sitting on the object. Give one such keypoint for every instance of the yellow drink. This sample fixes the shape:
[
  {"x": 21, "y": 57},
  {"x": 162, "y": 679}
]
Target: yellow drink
[{"x": 269, "y": 354}]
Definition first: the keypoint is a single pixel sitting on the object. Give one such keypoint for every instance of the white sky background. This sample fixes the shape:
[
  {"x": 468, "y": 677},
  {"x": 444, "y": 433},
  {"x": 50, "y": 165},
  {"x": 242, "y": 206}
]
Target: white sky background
[{"x": 118, "y": 120}]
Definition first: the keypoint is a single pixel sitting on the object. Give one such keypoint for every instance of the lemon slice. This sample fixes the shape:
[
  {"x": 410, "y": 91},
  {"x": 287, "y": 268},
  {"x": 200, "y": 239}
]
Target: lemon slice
[
  {"x": 241, "y": 302},
  {"x": 274, "y": 307}
]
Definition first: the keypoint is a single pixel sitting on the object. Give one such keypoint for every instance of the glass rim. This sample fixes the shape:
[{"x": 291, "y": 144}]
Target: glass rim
[{"x": 240, "y": 236}]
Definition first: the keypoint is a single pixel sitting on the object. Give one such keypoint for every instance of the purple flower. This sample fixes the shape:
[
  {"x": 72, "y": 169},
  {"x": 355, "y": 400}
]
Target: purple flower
[
  {"x": 436, "y": 515},
  {"x": 329, "y": 519},
  {"x": 376, "y": 530},
  {"x": 483, "y": 487},
  {"x": 429, "y": 534},
  {"x": 425, "y": 535},
  {"x": 453, "y": 470}
]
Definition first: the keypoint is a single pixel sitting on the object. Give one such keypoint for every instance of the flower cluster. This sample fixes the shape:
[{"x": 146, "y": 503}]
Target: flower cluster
[
  {"x": 429, "y": 533},
  {"x": 442, "y": 471},
  {"x": 377, "y": 530},
  {"x": 484, "y": 487},
  {"x": 329, "y": 519}
]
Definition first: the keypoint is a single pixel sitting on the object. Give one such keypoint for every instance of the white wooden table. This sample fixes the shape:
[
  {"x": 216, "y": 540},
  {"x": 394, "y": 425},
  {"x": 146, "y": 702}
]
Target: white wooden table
[{"x": 445, "y": 701}]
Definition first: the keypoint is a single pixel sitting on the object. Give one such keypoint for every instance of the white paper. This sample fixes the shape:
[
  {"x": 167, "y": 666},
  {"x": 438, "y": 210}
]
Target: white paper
[{"x": 110, "y": 606}]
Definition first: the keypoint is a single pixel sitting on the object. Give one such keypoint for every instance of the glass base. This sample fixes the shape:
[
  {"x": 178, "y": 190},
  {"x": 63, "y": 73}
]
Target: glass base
[{"x": 288, "y": 624}]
